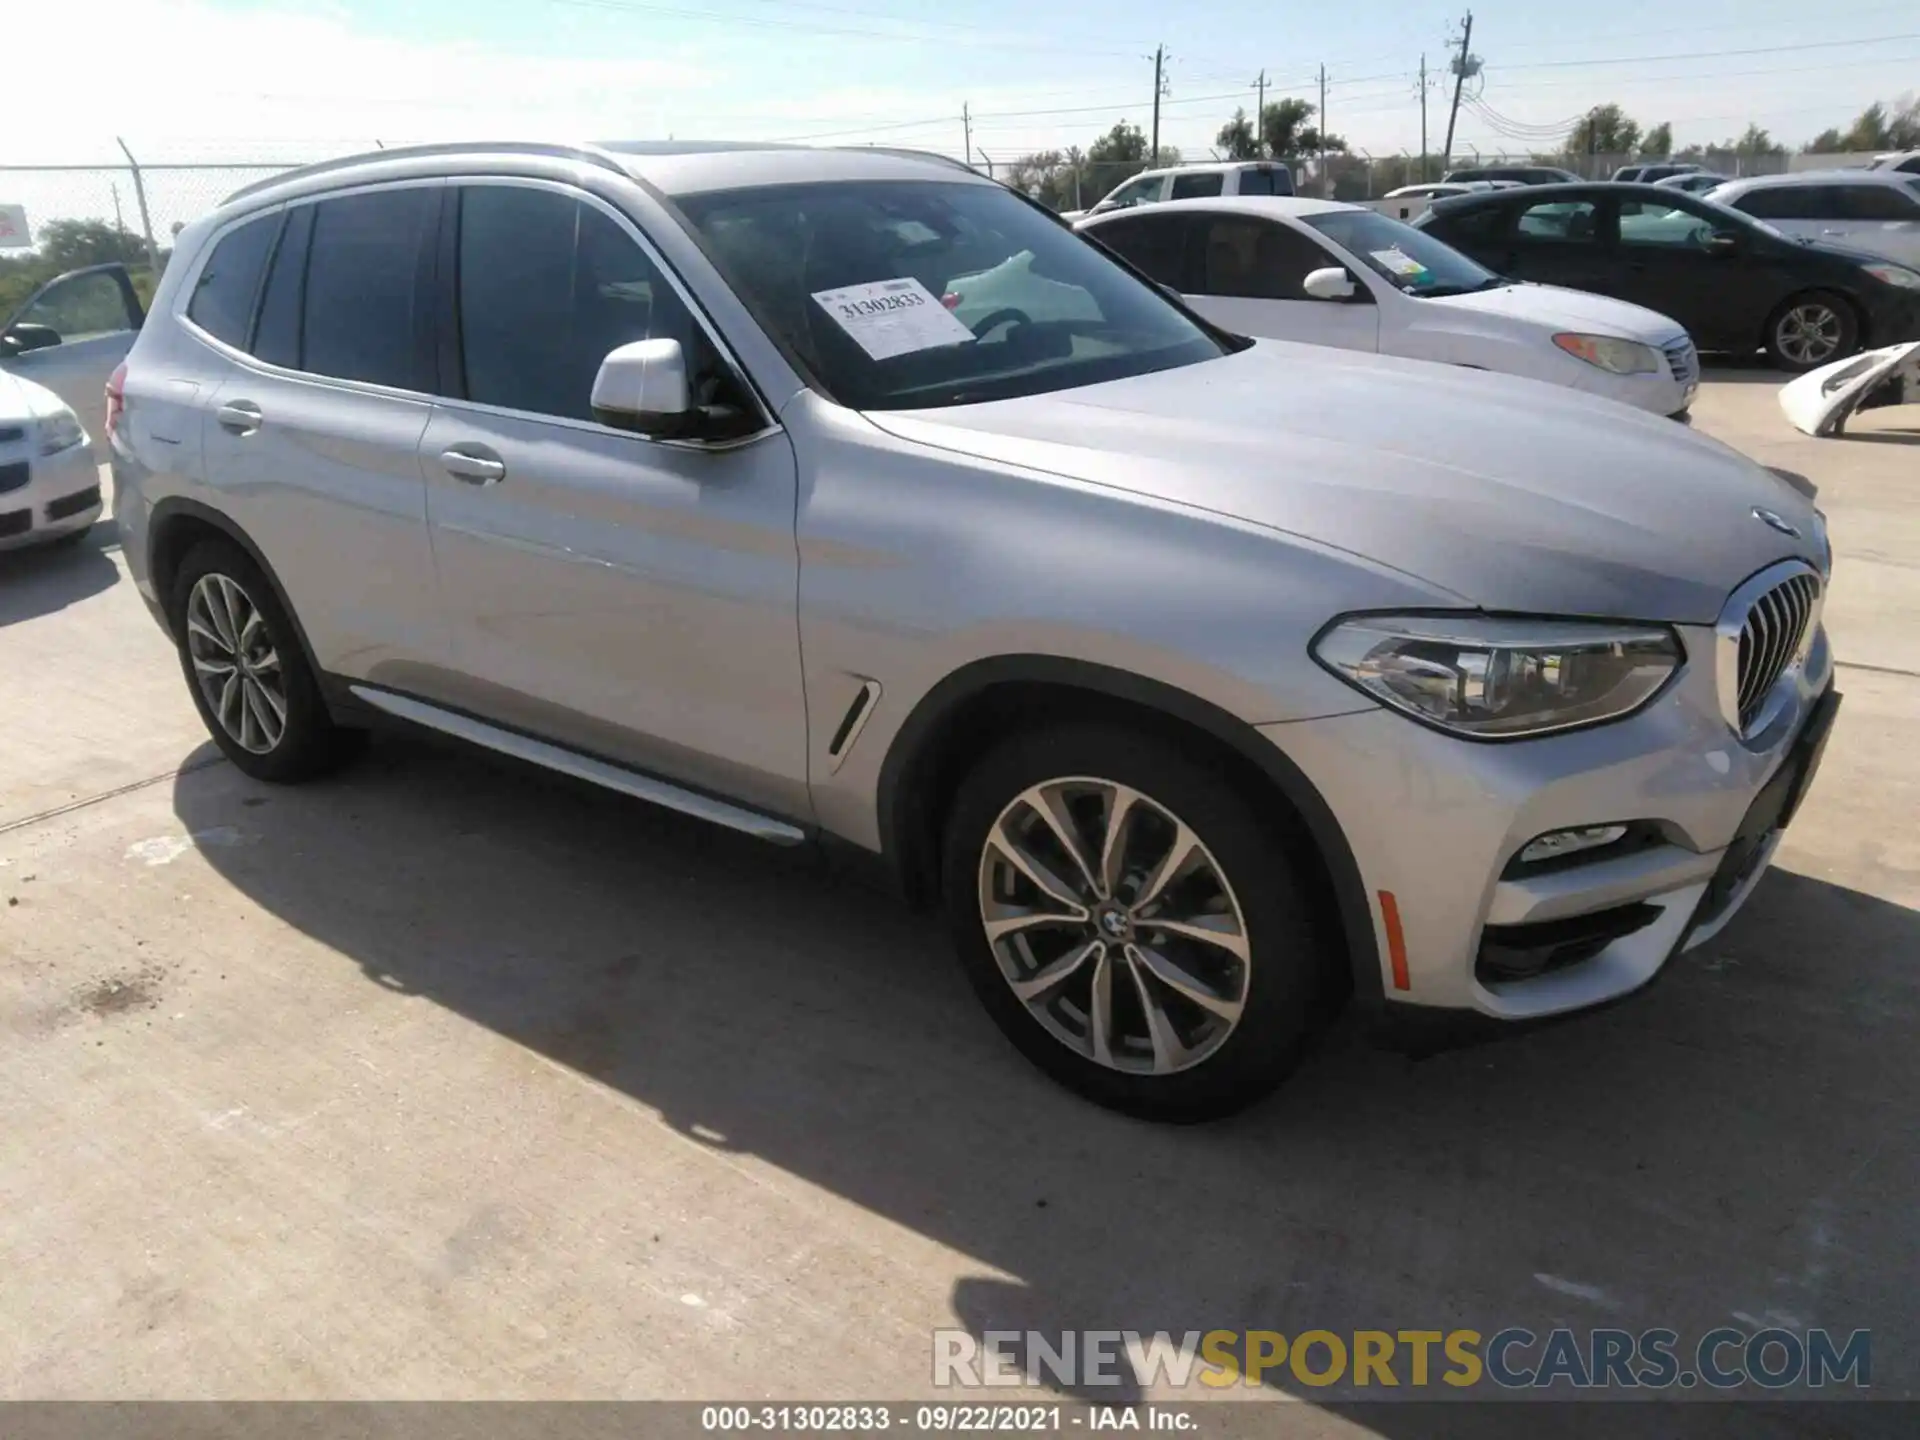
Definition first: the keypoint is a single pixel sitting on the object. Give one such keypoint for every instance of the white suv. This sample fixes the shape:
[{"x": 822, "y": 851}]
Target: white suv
[{"x": 1194, "y": 182}]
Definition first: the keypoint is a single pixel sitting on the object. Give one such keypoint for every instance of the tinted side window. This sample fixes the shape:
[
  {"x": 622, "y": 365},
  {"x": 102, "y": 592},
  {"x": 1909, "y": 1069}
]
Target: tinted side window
[
  {"x": 1156, "y": 245},
  {"x": 363, "y": 317},
  {"x": 1267, "y": 180},
  {"x": 1258, "y": 260},
  {"x": 548, "y": 285},
  {"x": 276, "y": 334},
  {"x": 222, "y": 303},
  {"x": 1791, "y": 202},
  {"x": 1570, "y": 221},
  {"x": 1876, "y": 202},
  {"x": 1195, "y": 187}
]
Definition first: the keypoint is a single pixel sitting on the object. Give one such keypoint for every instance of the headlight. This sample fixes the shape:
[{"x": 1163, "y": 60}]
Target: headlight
[
  {"x": 60, "y": 431},
  {"x": 1620, "y": 357},
  {"x": 1896, "y": 275},
  {"x": 1501, "y": 679}
]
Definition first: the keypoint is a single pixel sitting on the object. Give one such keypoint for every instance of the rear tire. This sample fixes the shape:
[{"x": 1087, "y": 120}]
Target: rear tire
[
  {"x": 1812, "y": 329},
  {"x": 247, "y": 671},
  {"x": 1198, "y": 1021}
]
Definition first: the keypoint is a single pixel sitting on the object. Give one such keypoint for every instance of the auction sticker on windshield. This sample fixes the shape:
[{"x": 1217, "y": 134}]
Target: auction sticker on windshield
[
  {"x": 893, "y": 317},
  {"x": 1398, "y": 262}
]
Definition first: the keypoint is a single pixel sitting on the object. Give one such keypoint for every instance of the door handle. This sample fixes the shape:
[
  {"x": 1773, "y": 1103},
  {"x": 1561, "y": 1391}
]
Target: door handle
[
  {"x": 474, "y": 469},
  {"x": 241, "y": 417}
]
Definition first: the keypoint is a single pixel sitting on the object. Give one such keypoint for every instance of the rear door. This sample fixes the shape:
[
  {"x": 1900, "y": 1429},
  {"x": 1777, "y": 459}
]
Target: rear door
[
  {"x": 312, "y": 435},
  {"x": 1250, "y": 277},
  {"x": 1557, "y": 240},
  {"x": 1884, "y": 219},
  {"x": 628, "y": 597},
  {"x": 71, "y": 334}
]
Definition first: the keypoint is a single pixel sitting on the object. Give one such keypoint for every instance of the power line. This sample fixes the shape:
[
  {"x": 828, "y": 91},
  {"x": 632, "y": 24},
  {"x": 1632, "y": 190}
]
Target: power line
[{"x": 1712, "y": 54}]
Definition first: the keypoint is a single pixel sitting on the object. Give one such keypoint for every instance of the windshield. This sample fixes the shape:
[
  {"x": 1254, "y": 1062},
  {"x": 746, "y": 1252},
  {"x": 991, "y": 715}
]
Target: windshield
[
  {"x": 1410, "y": 260},
  {"x": 898, "y": 295}
]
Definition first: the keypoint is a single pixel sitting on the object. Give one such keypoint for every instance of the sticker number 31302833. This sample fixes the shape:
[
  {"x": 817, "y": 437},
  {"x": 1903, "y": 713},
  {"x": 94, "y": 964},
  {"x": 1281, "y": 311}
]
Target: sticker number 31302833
[{"x": 893, "y": 317}]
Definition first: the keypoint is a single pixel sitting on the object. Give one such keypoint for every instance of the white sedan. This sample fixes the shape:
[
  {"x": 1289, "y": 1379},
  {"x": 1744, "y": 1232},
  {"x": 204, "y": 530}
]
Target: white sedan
[
  {"x": 1332, "y": 274},
  {"x": 49, "y": 481}
]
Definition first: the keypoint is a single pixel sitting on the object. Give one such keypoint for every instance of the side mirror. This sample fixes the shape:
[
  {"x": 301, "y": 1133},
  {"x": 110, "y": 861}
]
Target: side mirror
[
  {"x": 642, "y": 387},
  {"x": 1332, "y": 283},
  {"x": 1723, "y": 242},
  {"x": 27, "y": 336}
]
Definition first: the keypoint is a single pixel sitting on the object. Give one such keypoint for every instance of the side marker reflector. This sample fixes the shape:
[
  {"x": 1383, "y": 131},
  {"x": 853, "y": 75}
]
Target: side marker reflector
[{"x": 1396, "y": 940}]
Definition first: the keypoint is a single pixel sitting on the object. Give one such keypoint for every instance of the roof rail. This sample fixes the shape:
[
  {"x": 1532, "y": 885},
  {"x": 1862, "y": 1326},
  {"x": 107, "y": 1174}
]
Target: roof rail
[
  {"x": 410, "y": 152},
  {"x": 905, "y": 153}
]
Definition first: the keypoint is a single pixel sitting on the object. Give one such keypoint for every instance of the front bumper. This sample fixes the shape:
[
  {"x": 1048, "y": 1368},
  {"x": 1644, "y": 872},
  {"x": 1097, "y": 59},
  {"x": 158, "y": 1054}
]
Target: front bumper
[
  {"x": 62, "y": 494},
  {"x": 1435, "y": 823}
]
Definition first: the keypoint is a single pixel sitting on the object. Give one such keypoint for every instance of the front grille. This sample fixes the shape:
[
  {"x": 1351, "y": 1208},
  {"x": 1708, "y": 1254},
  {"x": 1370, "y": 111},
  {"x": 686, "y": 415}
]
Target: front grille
[
  {"x": 15, "y": 522},
  {"x": 1775, "y": 626},
  {"x": 1684, "y": 361},
  {"x": 13, "y": 476},
  {"x": 73, "y": 504}
]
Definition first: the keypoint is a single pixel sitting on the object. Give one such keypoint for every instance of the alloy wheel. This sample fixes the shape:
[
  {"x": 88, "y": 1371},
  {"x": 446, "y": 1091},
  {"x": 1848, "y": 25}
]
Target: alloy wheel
[
  {"x": 235, "y": 664},
  {"x": 1809, "y": 334},
  {"x": 1114, "y": 925}
]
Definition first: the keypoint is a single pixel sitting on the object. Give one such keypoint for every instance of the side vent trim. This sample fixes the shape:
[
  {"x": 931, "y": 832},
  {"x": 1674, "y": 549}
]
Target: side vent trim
[{"x": 853, "y": 722}]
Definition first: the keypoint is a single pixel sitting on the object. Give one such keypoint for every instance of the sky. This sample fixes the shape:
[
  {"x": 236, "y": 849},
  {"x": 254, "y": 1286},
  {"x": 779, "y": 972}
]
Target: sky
[{"x": 291, "y": 80}]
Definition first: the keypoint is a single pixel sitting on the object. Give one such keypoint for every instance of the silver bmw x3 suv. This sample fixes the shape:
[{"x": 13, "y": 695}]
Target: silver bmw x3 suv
[{"x": 846, "y": 496}]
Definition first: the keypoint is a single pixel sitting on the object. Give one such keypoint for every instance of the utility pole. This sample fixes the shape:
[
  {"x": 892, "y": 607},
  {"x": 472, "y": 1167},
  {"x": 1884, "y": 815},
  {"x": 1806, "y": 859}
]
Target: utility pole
[
  {"x": 1423, "y": 118},
  {"x": 966, "y": 132},
  {"x": 1460, "y": 69},
  {"x": 1159, "y": 61},
  {"x": 1260, "y": 116},
  {"x": 1326, "y": 183},
  {"x": 118, "y": 224}
]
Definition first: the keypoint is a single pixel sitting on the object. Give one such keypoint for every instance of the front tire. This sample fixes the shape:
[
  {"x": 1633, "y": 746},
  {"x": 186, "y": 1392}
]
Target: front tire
[
  {"x": 1132, "y": 923},
  {"x": 247, "y": 670},
  {"x": 1810, "y": 330}
]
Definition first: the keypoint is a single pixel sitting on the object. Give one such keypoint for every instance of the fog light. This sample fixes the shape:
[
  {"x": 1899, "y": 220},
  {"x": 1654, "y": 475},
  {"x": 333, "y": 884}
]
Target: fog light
[{"x": 1558, "y": 843}]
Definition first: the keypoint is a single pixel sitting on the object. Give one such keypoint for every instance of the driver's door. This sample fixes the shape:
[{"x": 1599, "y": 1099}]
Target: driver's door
[{"x": 71, "y": 334}]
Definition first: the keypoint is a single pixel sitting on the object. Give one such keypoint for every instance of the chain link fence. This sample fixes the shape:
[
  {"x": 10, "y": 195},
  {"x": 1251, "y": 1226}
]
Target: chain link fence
[{"x": 69, "y": 216}]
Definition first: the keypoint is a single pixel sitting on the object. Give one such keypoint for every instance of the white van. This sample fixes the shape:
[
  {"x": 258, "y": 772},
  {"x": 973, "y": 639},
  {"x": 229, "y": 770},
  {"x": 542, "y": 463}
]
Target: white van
[{"x": 1194, "y": 182}]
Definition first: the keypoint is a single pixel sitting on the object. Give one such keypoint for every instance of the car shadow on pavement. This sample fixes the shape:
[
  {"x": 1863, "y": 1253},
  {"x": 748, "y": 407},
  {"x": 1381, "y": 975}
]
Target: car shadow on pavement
[
  {"x": 43, "y": 579},
  {"x": 1732, "y": 1148}
]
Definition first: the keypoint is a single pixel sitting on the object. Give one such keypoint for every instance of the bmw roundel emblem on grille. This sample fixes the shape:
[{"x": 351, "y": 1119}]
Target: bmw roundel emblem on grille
[{"x": 1767, "y": 517}]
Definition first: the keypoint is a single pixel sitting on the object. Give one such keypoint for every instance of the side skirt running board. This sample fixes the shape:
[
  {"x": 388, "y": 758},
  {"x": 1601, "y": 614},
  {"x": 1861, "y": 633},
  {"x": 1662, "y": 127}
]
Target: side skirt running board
[{"x": 582, "y": 767}]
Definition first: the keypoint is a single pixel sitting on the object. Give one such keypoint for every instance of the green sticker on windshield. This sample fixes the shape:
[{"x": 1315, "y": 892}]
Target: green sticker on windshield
[{"x": 1397, "y": 262}]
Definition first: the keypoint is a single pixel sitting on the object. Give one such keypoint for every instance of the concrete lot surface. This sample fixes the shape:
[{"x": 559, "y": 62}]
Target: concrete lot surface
[{"x": 441, "y": 1079}]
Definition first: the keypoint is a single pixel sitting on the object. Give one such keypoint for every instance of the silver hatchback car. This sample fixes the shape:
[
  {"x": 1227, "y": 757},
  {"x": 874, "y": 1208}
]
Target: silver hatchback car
[{"x": 848, "y": 496}]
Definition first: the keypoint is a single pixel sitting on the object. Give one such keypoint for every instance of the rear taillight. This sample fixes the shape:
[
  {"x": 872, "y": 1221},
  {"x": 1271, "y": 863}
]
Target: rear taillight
[{"x": 116, "y": 396}]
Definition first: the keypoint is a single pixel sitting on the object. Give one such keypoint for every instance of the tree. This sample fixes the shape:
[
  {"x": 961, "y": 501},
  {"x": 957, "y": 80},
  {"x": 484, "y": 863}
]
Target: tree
[
  {"x": 1753, "y": 144},
  {"x": 1603, "y": 130},
  {"x": 1124, "y": 142},
  {"x": 1284, "y": 127},
  {"x": 1236, "y": 138},
  {"x": 1878, "y": 127},
  {"x": 1657, "y": 144},
  {"x": 73, "y": 244}
]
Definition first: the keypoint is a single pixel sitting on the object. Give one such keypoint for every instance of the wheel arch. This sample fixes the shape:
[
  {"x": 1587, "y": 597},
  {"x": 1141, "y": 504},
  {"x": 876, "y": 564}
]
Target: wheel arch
[
  {"x": 177, "y": 525},
  {"x": 963, "y": 715}
]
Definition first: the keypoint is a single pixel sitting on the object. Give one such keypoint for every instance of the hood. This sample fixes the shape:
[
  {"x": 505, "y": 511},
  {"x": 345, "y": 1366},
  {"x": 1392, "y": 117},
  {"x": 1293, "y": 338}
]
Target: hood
[
  {"x": 1512, "y": 494},
  {"x": 1552, "y": 307},
  {"x": 21, "y": 400}
]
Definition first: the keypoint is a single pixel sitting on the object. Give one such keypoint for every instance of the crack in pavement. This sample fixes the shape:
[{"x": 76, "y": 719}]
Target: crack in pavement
[{"x": 55, "y": 811}]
